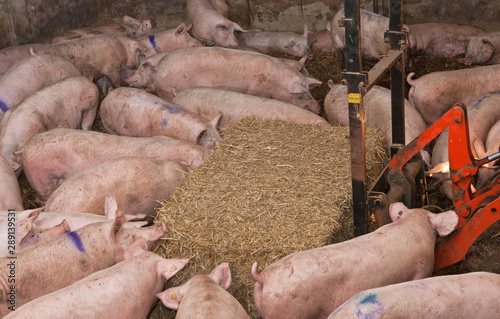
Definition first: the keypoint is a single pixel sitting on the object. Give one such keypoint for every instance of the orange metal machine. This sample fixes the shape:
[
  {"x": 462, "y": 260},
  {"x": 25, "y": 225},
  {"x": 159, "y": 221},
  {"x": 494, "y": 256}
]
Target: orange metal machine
[{"x": 477, "y": 211}]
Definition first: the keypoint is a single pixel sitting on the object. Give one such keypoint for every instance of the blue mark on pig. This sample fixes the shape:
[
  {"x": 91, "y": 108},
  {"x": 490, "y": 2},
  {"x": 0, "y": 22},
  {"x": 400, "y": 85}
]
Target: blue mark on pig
[
  {"x": 77, "y": 241},
  {"x": 485, "y": 97},
  {"x": 368, "y": 13},
  {"x": 152, "y": 41},
  {"x": 163, "y": 122},
  {"x": 3, "y": 106},
  {"x": 369, "y": 307}
]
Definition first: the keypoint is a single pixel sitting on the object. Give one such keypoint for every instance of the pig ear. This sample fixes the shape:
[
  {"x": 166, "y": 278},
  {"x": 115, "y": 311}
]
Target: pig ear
[
  {"x": 331, "y": 84},
  {"x": 444, "y": 223},
  {"x": 169, "y": 267},
  {"x": 128, "y": 19},
  {"x": 222, "y": 275},
  {"x": 110, "y": 207},
  {"x": 313, "y": 82},
  {"x": 36, "y": 212},
  {"x": 478, "y": 148},
  {"x": 215, "y": 122},
  {"x": 120, "y": 220},
  {"x": 338, "y": 42},
  {"x": 24, "y": 228},
  {"x": 305, "y": 30},
  {"x": 398, "y": 211},
  {"x": 146, "y": 25},
  {"x": 137, "y": 247},
  {"x": 290, "y": 44},
  {"x": 172, "y": 297},
  {"x": 181, "y": 29},
  {"x": 238, "y": 28},
  {"x": 297, "y": 88},
  {"x": 329, "y": 26}
]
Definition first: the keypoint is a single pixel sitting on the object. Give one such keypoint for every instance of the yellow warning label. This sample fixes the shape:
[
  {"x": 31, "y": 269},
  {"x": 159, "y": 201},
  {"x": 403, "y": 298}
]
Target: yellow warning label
[{"x": 354, "y": 98}]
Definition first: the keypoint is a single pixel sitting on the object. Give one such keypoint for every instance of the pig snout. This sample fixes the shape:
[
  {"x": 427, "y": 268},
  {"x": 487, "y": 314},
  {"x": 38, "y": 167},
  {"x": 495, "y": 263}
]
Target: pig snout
[{"x": 312, "y": 106}]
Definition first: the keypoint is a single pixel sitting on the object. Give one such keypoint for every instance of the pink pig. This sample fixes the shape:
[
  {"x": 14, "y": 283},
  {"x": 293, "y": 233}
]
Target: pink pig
[
  {"x": 435, "y": 93},
  {"x": 126, "y": 290},
  {"x": 143, "y": 77},
  {"x": 280, "y": 41},
  {"x": 234, "y": 70},
  {"x": 137, "y": 184},
  {"x": 169, "y": 40},
  {"x": 51, "y": 157},
  {"x": 26, "y": 232},
  {"x": 30, "y": 75},
  {"x": 101, "y": 55},
  {"x": 58, "y": 263},
  {"x": 321, "y": 40},
  {"x": 209, "y": 102},
  {"x": 377, "y": 103},
  {"x": 483, "y": 49},
  {"x": 464, "y": 296},
  {"x": 10, "y": 192},
  {"x": 130, "y": 26},
  {"x": 71, "y": 103},
  {"x": 313, "y": 283},
  {"x": 209, "y": 25},
  {"x": 205, "y": 296},
  {"x": 13, "y": 54},
  {"x": 134, "y": 112},
  {"x": 78, "y": 220}
]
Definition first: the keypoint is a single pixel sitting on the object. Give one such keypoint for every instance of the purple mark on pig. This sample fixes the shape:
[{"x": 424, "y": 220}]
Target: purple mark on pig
[
  {"x": 77, "y": 241},
  {"x": 3, "y": 106},
  {"x": 369, "y": 307},
  {"x": 152, "y": 41},
  {"x": 170, "y": 108},
  {"x": 370, "y": 14},
  {"x": 484, "y": 97}
]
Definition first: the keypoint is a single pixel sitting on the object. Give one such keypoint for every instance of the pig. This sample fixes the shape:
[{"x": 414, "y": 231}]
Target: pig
[
  {"x": 377, "y": 103},
  {"x": 234, "y": 70},
  {"x": 13, "y": 54},
  {"x": 205, "y": 296},
  {"x": 126, "y": 290},
  {"x": 32, "y": 74},
  {"x": 143, "y": 77},
  {"x": 372, "y": 29},
  {"x": 463, "y": 296},
  {"x": 210, "y": 26},
  {"x": 62, "y": 261},
  {"x": 279, "y": 41},
  {"x": 71, "y": 103},
  {"x": 101, "y": 55},
  {"x": 321, "y": 40},
  {"x": 482, "y": 114},
  {"x": 10, "y": 192},
  {"x": 78, "y": 220},
  {"x": 137, "y": 184},
  {"x": 51, "y": 157},
  {"x": 313, "y": 283},
  {"x": 19, "y": 231},
  {"x": 483, "y": 49},
  {"x": 169, "y": 40},
  {"x": 491, "y": 146},
  {"x": 130, "y": 26},
  {"x": 444, "y": 40},
  {"x": 435, "y": 93},
  {"x": 134, "y": 112},
  {"x": 209, "y": 102}
]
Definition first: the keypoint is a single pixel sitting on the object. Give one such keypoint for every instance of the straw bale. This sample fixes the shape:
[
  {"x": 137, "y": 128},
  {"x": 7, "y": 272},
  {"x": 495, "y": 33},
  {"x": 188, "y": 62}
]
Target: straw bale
[{"x": 270, "y": 189}]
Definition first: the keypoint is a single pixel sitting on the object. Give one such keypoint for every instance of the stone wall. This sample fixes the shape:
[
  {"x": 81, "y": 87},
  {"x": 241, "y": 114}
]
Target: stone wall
[{"x": 26, "y": 21}]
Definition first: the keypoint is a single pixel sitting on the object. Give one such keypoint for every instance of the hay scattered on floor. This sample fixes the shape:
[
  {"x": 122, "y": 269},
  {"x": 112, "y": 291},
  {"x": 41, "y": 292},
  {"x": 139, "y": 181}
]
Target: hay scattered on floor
[{"x": 270, "y": 189}]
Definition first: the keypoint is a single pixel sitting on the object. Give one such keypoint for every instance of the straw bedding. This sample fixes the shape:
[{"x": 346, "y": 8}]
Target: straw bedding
[{"x": 270, "y": 189}]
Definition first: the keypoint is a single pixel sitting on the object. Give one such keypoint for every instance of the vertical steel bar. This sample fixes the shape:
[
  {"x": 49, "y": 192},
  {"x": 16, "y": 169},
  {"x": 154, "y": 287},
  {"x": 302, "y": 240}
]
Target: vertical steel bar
[
  {"x": 397, "y": 80},
  {"x": 356, "y": 114}
]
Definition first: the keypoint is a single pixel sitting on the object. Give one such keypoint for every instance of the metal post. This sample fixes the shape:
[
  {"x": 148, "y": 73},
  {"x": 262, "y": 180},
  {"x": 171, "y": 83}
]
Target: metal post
[{"x": 355, "y": 80}]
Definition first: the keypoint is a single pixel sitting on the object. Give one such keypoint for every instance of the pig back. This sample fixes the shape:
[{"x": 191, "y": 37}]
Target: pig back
[
  {"x": 233, "y": 70},
  {"x": 31, "y": 74},
  {"x": 134, "y": 112},
  {"x": 209, "y": 102},
  {"x": 137, "y": 184}
]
